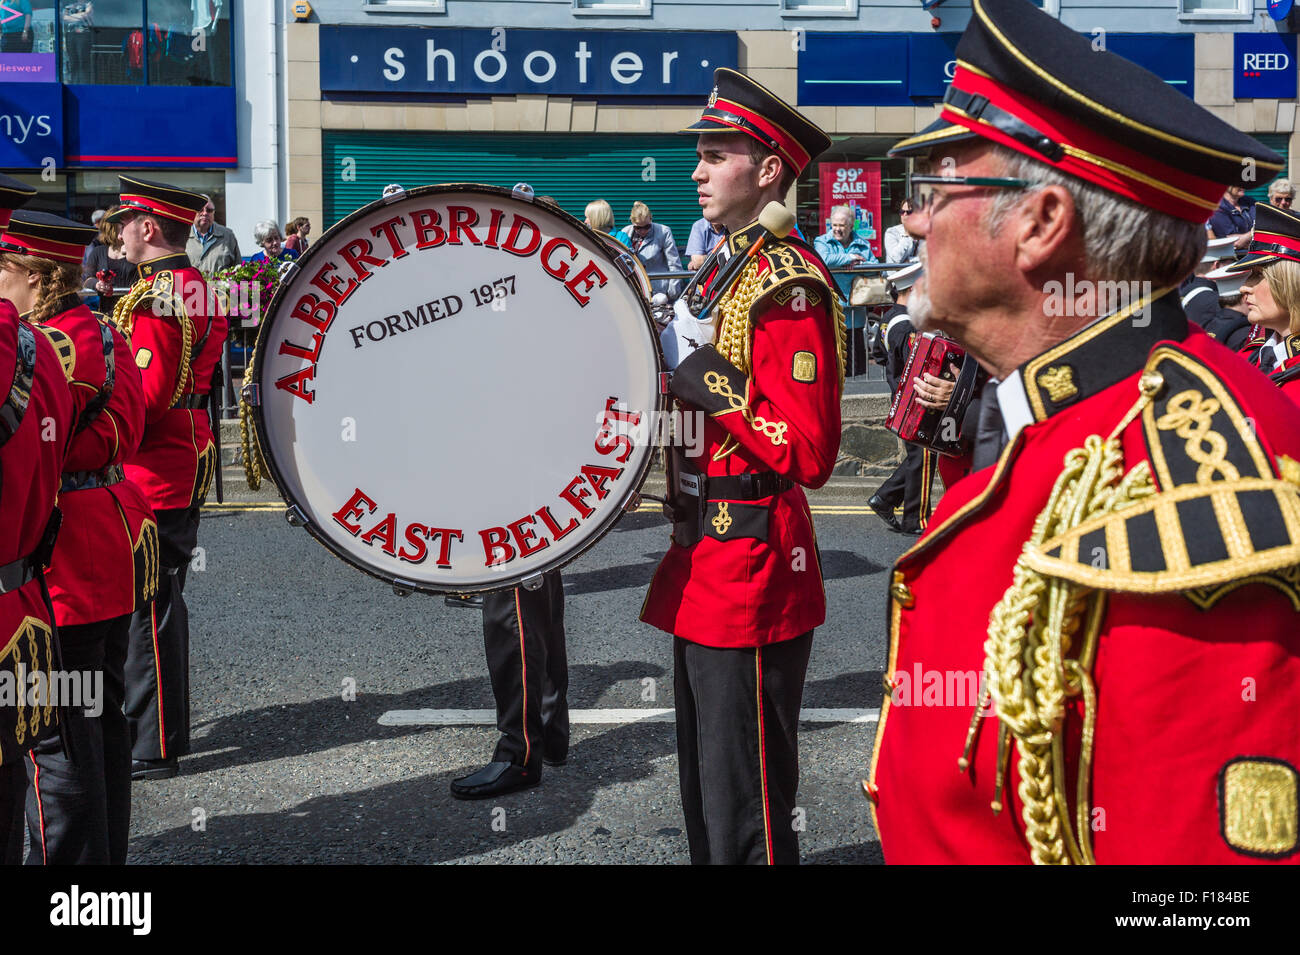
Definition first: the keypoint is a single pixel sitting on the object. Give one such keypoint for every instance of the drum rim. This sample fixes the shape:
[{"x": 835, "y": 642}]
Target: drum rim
[{"x": 402, "y": 585}]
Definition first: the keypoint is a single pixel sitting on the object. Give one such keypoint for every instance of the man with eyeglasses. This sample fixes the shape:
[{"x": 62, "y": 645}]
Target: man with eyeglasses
[
  {"x": 211, "y": 247},
  {"x": 1108, "y": 596}
]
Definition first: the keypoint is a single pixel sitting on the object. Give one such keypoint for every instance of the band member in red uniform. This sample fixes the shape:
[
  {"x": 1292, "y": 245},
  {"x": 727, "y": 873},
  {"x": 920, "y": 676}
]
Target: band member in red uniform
[
  {"x": 177, "y": 337},
  {"x": 36, "y": 421},
  {"x": 106, "y": 561},
  {"x": 1271, "y": 293},
  {"x": 740, "y": 588},
  {"x": 1095, "y": 647}
]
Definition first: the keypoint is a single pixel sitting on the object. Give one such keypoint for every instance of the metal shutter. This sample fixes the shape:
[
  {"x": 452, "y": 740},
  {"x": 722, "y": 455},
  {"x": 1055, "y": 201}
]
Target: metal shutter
[{"x": 571, "y": 168}]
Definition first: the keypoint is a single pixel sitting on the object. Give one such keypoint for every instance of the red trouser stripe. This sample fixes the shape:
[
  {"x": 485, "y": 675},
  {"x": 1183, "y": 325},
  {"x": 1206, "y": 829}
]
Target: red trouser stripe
[
  {"x": 762, "y": 756},
  {"x": 40, "y": 806},
  {"x": 157, "y": 670}
]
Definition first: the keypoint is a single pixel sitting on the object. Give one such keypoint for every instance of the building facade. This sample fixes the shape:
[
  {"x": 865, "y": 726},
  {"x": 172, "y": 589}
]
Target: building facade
[
  {"x": 185, "y": 91},
  {"x": 583, "y": 98}
]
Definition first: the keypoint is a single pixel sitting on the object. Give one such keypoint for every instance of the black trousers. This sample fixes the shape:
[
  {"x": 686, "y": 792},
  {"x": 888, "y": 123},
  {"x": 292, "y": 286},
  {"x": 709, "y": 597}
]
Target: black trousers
[
  {"x": 158, "y": 656},
  {"x": 80, "y": 814},
  {"x": 523, "y": 635},
  {"x": 910, "y": 485},
  {"x": 13, "y": 786},
  {"x": 738, "y": 749}
]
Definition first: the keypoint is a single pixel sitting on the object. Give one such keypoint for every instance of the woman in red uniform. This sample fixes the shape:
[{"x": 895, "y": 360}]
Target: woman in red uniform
[
  {"x": 105, "y": 563},
  {"x": 1271, "y": 294}
]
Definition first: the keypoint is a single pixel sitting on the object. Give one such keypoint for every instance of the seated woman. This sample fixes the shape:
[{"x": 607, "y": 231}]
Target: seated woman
[{"x": 267, "y": 234}]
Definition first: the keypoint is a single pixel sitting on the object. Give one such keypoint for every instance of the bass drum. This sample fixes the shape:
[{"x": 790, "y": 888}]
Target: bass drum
[{"x": 458, "y": 388}]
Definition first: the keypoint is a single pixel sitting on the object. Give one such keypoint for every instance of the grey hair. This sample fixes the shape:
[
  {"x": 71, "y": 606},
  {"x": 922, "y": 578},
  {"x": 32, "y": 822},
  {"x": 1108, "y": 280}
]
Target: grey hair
[
  {"x": 1122, "y": 240},
  {"x": 264, "y": 230},
  {"x": 1281, "y": 187},
  {"x": 844, "y": 209}
]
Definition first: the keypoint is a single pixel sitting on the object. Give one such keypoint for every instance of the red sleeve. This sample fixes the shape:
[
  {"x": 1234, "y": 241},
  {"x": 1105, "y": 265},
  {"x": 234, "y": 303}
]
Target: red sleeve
[
  {"x": 786, "y": 413},
  {"x": 117, "y": 431},
  {"x": 156, "y": 341}
]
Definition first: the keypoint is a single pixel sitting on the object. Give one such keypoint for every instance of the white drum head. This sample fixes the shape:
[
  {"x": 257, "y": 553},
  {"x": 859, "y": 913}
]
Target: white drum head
[{"x": 458, "y": 389}]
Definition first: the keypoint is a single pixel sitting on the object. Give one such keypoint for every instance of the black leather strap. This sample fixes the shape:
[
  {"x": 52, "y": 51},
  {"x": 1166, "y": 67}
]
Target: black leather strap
[
  {"x": 978, "y": 107},
  {"x": 97, "y": 403},
  {"x": 191, "y": 401},
  {"x": 15, "y": 574},
  {"x": 746, "y": 487}
]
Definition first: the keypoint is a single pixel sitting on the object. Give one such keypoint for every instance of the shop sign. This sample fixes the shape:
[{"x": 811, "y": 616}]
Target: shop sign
[
  {"x": 453, "y": 62},
  {"x": 856, "y": 185}
]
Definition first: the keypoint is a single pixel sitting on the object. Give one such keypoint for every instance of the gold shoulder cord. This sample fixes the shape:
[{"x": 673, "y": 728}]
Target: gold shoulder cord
[
  {"x": 254, "y": 464},
  {"x": 736, "y": 333},
  {"x": 124, "y": 319},
  {"x": 1029, "y": 668},
  {"x": 124, "y": 311}
]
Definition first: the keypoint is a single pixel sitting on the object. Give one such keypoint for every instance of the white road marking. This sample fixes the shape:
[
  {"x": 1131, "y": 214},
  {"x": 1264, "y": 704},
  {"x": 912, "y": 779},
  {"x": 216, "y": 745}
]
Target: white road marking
[{"x": 604, "y": 716}]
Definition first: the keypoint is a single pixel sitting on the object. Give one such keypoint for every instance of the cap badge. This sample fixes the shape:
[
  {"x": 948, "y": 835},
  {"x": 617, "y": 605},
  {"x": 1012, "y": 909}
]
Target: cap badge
[
  {"x": 1259, "y": 806},
  {"x": 1059, "y": 383},
  {"x": 713, "y": 97}
]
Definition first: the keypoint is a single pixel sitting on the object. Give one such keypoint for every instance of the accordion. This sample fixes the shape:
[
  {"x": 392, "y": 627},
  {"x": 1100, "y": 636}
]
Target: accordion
[{"x": 938, "y": 429}]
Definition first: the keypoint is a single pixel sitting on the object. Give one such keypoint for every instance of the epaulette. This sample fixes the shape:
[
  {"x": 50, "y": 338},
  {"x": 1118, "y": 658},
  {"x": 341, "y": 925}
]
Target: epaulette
[
  {"x": 1223, "y": 512},
  {"x": 160, "y": 296},
  {"x": 788, "y": 272},
  {"x": 63, "y": 345}
]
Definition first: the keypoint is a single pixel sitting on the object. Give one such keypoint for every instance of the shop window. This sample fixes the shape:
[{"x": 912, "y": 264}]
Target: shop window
[
  {"x": 146, "y": 42},
  {"x": 819, "y": 8},
  {"x": 613, "y": 7},
  {"x": 1214, "y": 9},
  {"x": 404, "y": 6}
]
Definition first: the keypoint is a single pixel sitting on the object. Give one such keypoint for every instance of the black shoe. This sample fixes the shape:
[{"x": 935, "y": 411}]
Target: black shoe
[
  {"x": 555, "y": 759},
  {"x": 473, "y": 601},
  {"x": 884, "y": 512},
  {"x": 154, "y": 768},
  {"x": 495, "y": 779},
  {"x": 910, "y": 531}
]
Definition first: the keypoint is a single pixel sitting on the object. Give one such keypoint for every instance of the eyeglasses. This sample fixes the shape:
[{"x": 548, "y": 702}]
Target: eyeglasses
[
  {"x": 906, "y": 212},
  {"x": 926, "y": 193},
  {"x": 1283, "y": 200}
]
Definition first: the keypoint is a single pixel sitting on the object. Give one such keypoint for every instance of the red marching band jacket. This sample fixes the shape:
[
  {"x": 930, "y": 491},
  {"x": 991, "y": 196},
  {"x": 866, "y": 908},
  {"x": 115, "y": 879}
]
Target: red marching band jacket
[
  {"x": 1122, "y": 679},
  {"x": 754, "y": 575},
  {"x": 106, "y": 559},
  {"x": 1287, "y": 376},
  {"x": 177, "y": 334},
  {"x": 36, "y": 419}
]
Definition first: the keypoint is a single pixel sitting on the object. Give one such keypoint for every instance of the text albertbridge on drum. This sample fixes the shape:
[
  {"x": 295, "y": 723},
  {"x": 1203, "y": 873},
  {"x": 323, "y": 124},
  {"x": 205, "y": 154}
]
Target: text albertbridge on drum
[{"x": 426, "y": 229}]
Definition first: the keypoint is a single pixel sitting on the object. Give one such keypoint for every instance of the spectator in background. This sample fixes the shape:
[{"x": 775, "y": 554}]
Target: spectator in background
[
  {"x": 841, "y": 247},
  {"x": 656, "y": 247},
  {"x": 211, "y": 246},
  {"x": 900, "y": 244},
  {"x": 600, "y": 216},
  {"x": 267, "y": 234},
  {"x": 1235, "y": 217},
  {"x": 1281, "y": 193},
  {"x": 106, "y": 266},
  {"x": 16, "y": 29},
  {"x": 296, "y": 233},
  {"x": 704, "y": 236}
]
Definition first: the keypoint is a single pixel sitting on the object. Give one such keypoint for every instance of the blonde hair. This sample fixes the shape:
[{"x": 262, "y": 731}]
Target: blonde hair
[
  {"x": 110, "y": 233},
  {"x": 639, "y": 211},
  {"x": 57, "y": 280},
  {"x": 600, "y": 215},
  {"x": 1283, "y": 278}
]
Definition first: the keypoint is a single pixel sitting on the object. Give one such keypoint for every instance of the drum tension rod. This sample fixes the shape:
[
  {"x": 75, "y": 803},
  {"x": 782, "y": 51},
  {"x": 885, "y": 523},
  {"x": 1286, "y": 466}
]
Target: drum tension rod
[
  {"x": 295, "y": 516},
  {"x": 403, "y": 588}
]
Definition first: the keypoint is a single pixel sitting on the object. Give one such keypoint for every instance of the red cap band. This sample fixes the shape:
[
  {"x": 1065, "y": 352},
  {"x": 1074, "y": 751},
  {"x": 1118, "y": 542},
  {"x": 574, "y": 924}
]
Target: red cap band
[{"x": 1094, "y": 158}]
